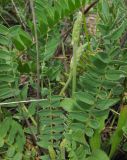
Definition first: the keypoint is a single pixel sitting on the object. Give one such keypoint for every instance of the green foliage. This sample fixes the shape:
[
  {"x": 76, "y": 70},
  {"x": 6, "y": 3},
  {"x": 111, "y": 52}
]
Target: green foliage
[
  {"x": 68, "y": 127},
  {"x": 12, "y": 139},
  {"x": 49, "y": 15},
  {"x": 98, "y": 84}
]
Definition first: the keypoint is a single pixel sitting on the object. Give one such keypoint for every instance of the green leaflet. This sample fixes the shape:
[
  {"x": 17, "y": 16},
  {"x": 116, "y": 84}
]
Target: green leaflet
[
  {"x": 26, "y": 38},
  {"x": 6, "y": 78},
  {"x": 82, "y": 117},
  {"x": 6, "y": 55},
  {"x": 106, "y": 103},
  {"x": 5, "y": 68},
  {"x": 51, "y": 47},
  {"x": 18, "y": 156},
  {"x": 89, "y": 132},
  {"x": 45, "y": 157},
  {"x": 3, "y": 30},
  {"x": 7, "y": 92},
  {"x": 84, "y": 97},
  {"x": 99, "y": 64},
  {"x": 98, "y": 155},
  {"x": 93, "y": 123},
  {"x": 78, "y": 136},
  {"x": 4, "y": 40},
  {"x": 18, "y": 43},
  {"x": 105, "y": 9},
  {"x": 11, "y": 152},
  {"x": 115, "y": 75},
  {"x": 68, "y": 104}
]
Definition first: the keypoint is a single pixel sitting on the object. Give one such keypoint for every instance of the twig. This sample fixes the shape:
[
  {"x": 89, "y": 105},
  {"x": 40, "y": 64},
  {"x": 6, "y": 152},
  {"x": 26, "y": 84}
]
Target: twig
[
  {"x": 34, "y": 138},
  {"x": 115, "y": 112},
  {"x": 21, "y": 21},
  {"x": 86, "y": 10},
  {"x": 18, "y": 102}
]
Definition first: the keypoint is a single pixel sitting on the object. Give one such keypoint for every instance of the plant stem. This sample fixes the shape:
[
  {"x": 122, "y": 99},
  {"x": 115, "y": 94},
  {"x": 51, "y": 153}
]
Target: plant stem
[
  {"x": 117, "y": 135},
  {"x": 66, "y": 84},
  {"x": 65, "y": 58},
  {"x": 37, "y": 56},
  {"x": 28, "y": 113},
  {"x": 22, "y": 110},
  {"x": 74, "y": 69}
]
